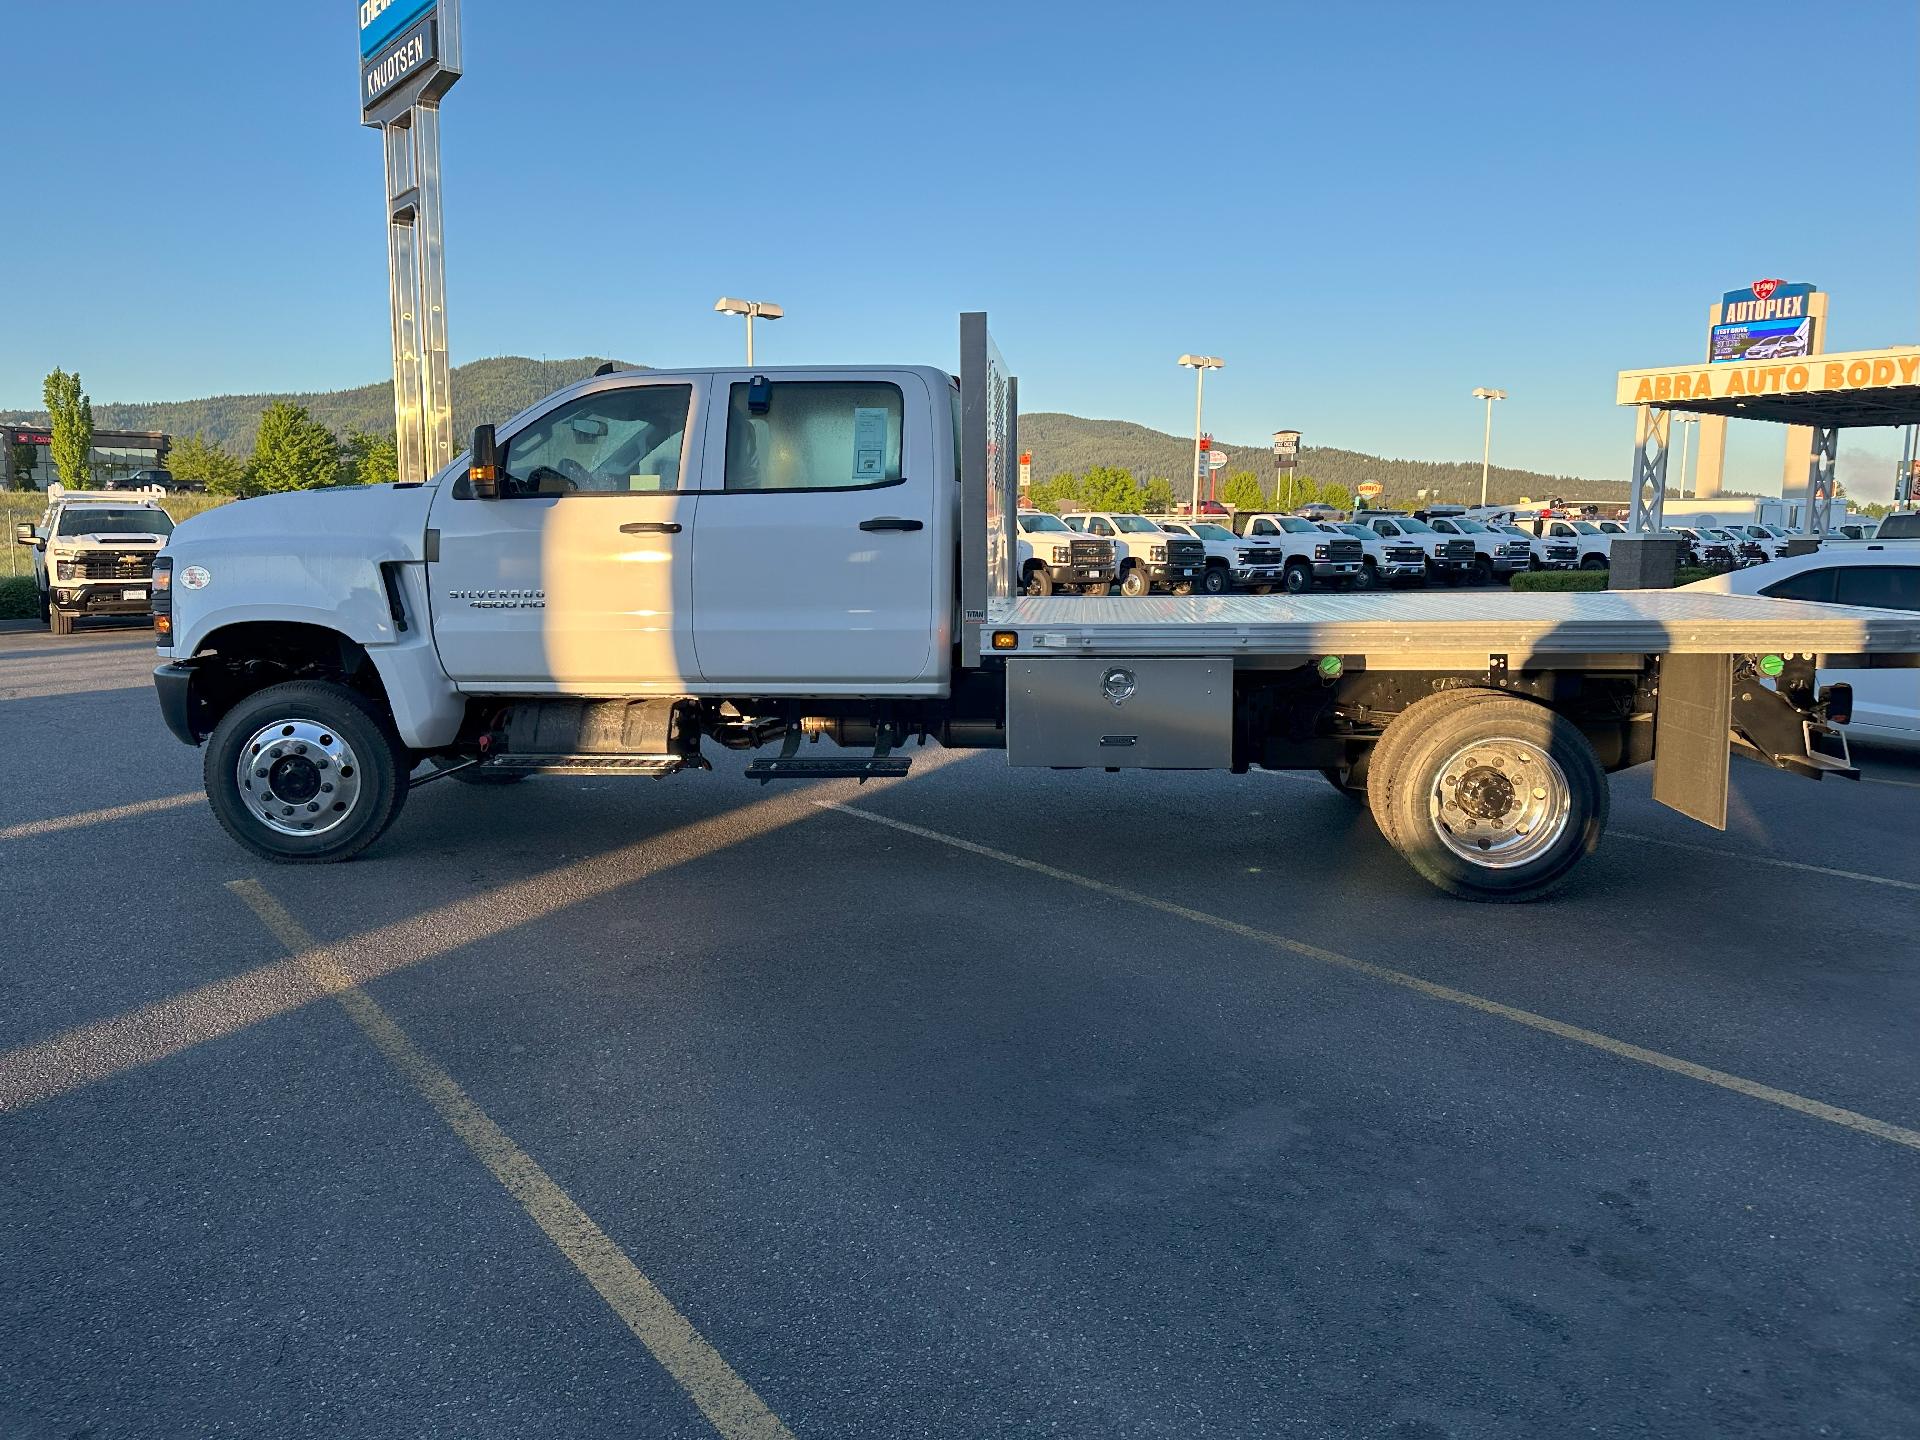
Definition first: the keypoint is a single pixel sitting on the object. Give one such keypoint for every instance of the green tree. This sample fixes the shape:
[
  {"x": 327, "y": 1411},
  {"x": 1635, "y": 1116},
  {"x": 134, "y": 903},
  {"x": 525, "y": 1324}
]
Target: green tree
[
  {"x": 194, "y": 461},
  {"x": 369, "y": 459},
  {"x": 1338, "y": 496},
  {"x": 1242, "y": 491},
  {"x": 1301, "y": 490},
  {"x": 1156, "y": 498},
  {"x": 1107, "y": 487},
  {"x": 71, "y": 410},
  {"x": 1056, "y": 494},
  {"x": 293, "y": 451}
]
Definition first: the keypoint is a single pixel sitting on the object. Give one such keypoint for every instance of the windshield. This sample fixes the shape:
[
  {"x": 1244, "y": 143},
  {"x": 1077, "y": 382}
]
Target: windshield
[
  {"x": 1294, "y": 525},
  {"x": 1213, "y": 532},
  {"x": 1358, "y": 531},
  {"x": 1134, "y": 525},
  {"x": 1414, "y": 527},
  {"x": 99, "y": 520},
  {"x": 1583, "y": 527},
  {"x": 1042, "y": 522},
  {"x": 1471, "y": 527}
]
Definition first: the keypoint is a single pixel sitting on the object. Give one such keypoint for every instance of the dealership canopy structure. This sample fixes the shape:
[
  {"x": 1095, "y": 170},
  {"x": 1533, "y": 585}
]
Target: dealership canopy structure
[{"x": 1828, "y": 393}]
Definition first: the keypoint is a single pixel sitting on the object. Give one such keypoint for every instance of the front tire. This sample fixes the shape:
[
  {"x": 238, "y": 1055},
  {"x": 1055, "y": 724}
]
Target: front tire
[
  {"x": 1368, "y": 578},
  {"x": 60, "y": 621},
  {"x": 1039, "y": 580},
  {"x": 1216, "y": 581},
  {"x": 1136, "y": 582},
  {"x": 1488, "y": 796},
  {"x": 305, "y": 773},
  {"x": 1594, "y": 562},
  {"x": 1298, "y": 579}
]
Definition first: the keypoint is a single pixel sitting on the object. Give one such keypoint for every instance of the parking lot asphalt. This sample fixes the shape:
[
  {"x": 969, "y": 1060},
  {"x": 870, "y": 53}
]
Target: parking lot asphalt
[{"x": 981, "y": 1103}]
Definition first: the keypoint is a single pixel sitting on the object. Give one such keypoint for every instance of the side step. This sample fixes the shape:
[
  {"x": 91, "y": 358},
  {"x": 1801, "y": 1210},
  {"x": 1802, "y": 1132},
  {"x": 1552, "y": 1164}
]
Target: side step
[
  {"x": 830, "y": 767},
  {"x": 650, "y": 765}
]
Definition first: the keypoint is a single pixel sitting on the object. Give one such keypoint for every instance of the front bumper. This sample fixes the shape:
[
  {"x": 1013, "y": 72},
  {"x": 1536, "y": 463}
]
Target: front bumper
[
  {"x": 1508, "y": 564},
  {"x": 1175, "y": 574},
  {"x": 1257, "y": 574},
  {"x": 1081, "y": 574},
  {"x": 173, "y": 684},
  {"x": 1402, "y": 569},
  {"x": 1334, "y": 569},
  {"x": 104, "y": 597}
]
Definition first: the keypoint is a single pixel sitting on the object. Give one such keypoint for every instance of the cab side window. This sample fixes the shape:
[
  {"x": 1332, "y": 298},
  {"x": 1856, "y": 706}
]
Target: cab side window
[
  {"x": 615, "y": 442},
  {"x": 1885, "y": 587},
  {"x": 1099, "y": 526},
  {"x": 1265, "y": 527},
  {"x": 1807, "y": 585},
  {"x": 1387, "y": 527},
  {"x": 814, "y": 435},
  {"x": 1077, "y": 522}
]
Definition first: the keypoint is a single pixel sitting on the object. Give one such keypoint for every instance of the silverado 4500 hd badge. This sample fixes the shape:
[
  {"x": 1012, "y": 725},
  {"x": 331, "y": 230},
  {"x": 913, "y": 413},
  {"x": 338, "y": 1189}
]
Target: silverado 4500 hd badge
[{"x": 501, "y": 599}]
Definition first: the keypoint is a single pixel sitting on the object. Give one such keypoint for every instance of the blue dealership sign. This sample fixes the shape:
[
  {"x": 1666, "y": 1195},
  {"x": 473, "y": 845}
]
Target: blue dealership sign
[{"x": 383, "y": 20}]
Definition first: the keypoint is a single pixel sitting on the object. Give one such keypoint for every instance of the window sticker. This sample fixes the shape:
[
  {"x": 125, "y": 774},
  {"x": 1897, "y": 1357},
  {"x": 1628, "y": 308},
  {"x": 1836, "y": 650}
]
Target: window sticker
[{"x": 869, "y": 444}]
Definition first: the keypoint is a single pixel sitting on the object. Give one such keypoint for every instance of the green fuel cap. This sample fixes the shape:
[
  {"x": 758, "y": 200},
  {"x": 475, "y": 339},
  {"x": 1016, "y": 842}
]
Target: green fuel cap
[
  {"x": 1332, "y": 667},
  {"x": 1771, "y": 666}
]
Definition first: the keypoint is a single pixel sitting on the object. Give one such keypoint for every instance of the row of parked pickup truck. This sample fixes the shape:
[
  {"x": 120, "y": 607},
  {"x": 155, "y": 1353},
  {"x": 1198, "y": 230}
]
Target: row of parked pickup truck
[{"x": 1088, "y": 552}]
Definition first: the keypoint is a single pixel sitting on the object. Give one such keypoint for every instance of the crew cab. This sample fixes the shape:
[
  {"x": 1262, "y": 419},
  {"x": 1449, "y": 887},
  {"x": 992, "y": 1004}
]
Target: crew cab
[
  {"x": 1495, "y": 555},
  {"x": 93, "y": 555},
  {"x": 651, "y": 566},
  {"x": 1232, "y": 561},
  {"x": 1053, "y": 556},
  {"x": 1448, "y": 557},
  {"x": 1382, "y": 562},
  {"x": 1308, "y": 554},
  {"x": 1147, "y": 557},
  {"x": 1593, "y": 545}
]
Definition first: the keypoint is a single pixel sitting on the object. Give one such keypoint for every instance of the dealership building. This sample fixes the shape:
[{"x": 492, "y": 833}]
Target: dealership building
[{"x": 117, "y": 454}]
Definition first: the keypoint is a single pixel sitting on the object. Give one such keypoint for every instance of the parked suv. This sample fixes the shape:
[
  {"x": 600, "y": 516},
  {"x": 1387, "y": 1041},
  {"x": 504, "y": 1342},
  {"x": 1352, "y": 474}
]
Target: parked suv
[
  {"x": 1052, "y": 557},
  {"x": 1309, "y": 555},
  {"x": 93, "y": 555},
  {"x": 1231, "y": 559},
  {"x": 1148, "y": 557}
]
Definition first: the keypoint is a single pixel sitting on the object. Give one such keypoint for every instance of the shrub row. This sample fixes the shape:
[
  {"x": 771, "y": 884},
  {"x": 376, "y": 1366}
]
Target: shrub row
[
  {"x": 19, "y": 598},
  {"x": 1593, "y": 579}
]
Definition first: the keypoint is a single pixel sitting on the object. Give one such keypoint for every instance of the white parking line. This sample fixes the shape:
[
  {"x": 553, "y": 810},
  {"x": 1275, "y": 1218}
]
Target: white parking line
[
  {"x": 1753, "y": 1089},
  {"x": 1746, "y": 858}
]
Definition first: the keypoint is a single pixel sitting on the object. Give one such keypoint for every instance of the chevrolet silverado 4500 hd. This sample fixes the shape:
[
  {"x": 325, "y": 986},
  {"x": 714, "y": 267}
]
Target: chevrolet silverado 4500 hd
[{"x": 651, "y": 562}]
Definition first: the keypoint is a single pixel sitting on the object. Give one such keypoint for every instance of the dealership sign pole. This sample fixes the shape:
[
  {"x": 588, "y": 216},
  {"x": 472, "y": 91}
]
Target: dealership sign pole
[{"x": 409, "y": 58}]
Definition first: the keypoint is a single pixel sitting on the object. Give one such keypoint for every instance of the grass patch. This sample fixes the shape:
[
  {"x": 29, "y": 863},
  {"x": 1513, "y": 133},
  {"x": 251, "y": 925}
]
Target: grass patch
[
  {"x": 19, "y": 598},
  {"x": 1565, "y": 580}
]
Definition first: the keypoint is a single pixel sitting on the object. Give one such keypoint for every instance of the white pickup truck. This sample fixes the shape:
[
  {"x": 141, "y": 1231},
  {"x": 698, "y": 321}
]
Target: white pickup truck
[
  {"x": 1052, "y": 556},
  {"x": 93, "y": 554},
  {"x": 654, "y": 562},
  {"x": 1449, "y": 557},
  {"x": 1382, "y": 562},
  {"x": 1233, "y": 562},
  {"x": 1309, "y": 556},
  {"x": 1496, "y": 555},
  {"x": 1148, "y": 558}
]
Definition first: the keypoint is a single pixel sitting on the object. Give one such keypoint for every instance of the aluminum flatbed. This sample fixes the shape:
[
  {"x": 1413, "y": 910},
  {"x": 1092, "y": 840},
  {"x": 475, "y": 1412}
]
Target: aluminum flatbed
[{"x": 1446, "y": 625}]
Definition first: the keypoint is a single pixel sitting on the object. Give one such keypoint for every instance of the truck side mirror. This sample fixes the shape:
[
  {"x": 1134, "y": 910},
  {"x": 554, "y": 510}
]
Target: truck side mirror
[
  {"x": 483, "y": 466},
  {"x": 23, "y": 533}
]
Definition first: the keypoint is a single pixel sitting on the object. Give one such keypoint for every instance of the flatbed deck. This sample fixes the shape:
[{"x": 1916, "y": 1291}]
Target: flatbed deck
[{"x": 1448, "y": 624}]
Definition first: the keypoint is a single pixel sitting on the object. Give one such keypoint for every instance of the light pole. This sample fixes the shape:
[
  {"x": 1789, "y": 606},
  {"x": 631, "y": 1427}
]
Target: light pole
[
  {"x": 753, "y": 310},
  {"x": 1686, "y": 444},
  {"x": 1486, "y": 447},
  {"x": 1199, "y": 364}
]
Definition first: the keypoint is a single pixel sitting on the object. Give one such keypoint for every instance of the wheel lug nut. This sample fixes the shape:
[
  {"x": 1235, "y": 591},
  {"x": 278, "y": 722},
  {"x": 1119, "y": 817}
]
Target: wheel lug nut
[{"x": 313, "y": 808}]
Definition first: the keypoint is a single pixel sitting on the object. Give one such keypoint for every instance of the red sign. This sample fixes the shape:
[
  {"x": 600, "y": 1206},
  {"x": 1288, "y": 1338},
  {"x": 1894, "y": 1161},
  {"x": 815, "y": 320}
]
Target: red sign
[
  {"x": 1026, "y": 457},
  {"x": 1763, "y": 289},
  {"x": 1206, "y": 443}
]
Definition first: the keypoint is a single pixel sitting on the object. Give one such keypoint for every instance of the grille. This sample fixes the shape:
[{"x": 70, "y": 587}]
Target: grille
[
  {"x": 112, "y": 565},
  {"x": 1348, "y": 551},
  {"x": 1561, "y": 552},
  {"x": 1515, "y": 547},
  {"x": 1263, "y": 555},
  {"x": 1406, "y": 554},
  {"x": 1458, "y": 550},
  {"x": 1091, "y": 552},
  {"x": 1185, "y": 552}
]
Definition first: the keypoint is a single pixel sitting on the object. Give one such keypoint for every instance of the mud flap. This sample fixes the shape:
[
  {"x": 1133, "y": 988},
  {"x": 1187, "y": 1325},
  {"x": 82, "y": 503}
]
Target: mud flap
[{"x": 1692, "y": 743}]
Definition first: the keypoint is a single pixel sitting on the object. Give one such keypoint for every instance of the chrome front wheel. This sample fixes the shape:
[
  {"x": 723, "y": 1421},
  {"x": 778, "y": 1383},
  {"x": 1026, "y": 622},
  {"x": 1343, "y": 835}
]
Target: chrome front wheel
[{"x": 298, "y": 777}]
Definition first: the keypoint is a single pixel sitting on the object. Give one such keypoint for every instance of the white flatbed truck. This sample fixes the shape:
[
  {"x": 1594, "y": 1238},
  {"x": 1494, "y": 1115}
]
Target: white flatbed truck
[{"x": 649, "y": 562}]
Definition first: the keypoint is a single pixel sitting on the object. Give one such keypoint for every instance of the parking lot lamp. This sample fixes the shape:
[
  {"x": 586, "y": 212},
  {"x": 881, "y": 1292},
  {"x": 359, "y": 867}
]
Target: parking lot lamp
[
  {"x": 1486, "y": 447},
  {"x": 752, "y": 310},
  {"x": 1686, "y": 444},
  {"x": 1199, "y": 364}
]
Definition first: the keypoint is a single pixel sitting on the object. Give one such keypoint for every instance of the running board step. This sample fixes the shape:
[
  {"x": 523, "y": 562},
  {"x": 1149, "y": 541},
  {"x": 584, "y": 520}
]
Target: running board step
[
  {"x": 651, "y": 765},
  {"x": 830, "y": 767}
]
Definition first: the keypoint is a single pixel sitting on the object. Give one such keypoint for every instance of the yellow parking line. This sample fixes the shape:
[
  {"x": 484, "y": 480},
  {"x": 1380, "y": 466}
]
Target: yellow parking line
[
  {"x": 723, "y": 1397},
  {"x": 34, "y": 828},
  {"x": 1786, "y": 1099}
]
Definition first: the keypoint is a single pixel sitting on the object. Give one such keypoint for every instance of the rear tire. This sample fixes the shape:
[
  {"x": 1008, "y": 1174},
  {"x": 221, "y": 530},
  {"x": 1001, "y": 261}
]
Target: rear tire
[
  {"x": 1341, "y": 778},
  {"x": 350, "y": 754},
  {"x": 1488, "y": 796}
]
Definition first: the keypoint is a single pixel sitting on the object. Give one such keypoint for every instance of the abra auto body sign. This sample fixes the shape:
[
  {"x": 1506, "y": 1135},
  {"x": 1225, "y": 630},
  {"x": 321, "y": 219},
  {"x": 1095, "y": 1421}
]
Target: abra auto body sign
[
  {"x": 398, "y": 40},
  {"x": 1855, "y": 370}
]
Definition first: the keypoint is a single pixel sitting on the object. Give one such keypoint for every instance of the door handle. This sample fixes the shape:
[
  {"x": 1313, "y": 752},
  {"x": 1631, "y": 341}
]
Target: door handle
[
  {"x": 891, "y": 522},
  {"x": 650, "y": 527}
]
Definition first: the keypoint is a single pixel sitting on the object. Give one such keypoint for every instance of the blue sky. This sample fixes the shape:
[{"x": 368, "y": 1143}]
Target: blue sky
[{"x": 1367, "y": 209}]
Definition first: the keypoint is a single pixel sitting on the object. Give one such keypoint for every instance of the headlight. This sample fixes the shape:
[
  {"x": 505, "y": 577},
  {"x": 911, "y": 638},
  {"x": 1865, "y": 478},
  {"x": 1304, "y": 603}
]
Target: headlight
[
  {"x": 1319, "y": 552},
  {"x": 1062, "y": 554},
  {"x": 66, "y": 569},
  {"x": 1158, "y": 555},
  {"x": 1243, "y": 556}
]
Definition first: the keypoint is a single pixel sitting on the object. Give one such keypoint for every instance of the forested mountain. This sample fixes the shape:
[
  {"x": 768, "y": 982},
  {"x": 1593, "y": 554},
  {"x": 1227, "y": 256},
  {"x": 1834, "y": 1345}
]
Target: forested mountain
[
  {"x": 483, "y": 391},
  {"x": 1068, "y": 443}
]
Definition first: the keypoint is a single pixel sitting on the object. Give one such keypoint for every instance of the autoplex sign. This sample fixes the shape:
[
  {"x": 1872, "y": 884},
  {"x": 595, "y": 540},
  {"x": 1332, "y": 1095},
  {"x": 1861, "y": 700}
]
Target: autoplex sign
[
  {"x": 1855, "y": 370},
  {"x": 398, "y": 40}
]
